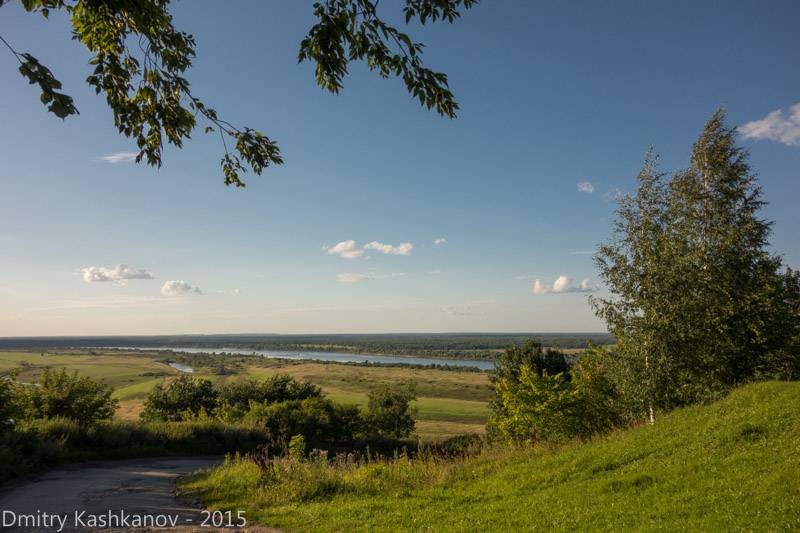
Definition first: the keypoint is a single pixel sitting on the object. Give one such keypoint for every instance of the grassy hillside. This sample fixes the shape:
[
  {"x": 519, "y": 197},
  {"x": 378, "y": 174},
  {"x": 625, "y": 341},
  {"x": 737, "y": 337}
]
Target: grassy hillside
[{"x": 733, "y": 465}]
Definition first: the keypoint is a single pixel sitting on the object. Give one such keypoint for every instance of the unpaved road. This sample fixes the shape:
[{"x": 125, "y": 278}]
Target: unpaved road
[{"x": 137, "y": 486}]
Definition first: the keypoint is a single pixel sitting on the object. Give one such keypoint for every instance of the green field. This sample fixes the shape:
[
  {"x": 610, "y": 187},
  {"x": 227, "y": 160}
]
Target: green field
[
  {"x": 118, "y": 370},
  {"x": 449, "y": 402},
  {"x": 730, "y": 466}
]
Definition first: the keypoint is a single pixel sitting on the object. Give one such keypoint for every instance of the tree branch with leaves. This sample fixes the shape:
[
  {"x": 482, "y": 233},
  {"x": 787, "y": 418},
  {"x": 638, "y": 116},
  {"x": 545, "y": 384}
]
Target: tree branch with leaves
[{"x": 140, "y": 62}]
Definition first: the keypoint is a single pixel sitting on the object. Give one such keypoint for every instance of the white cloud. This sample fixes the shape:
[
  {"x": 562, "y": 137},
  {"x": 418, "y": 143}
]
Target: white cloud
[
  {"x": 435, "y": 271},
  {"x": 582, "y": 252},
  {"x": 562, "y": 285},
  {"x": 177, "y": 287},
  {"x": 539, "y": 288},
  {"x": 440, "y": 240},
  {"x": 119, "y": 273},
  {"x": 349, "y": 277},
  {"x": 350, "y": 249},
  {"x": 120, "y": 157},
  {"x": 585, "y": 186},
  {"x": 776, "y": 126},
  {"x": 347, "y": 249},
  {"x": 401, "y": 249}
]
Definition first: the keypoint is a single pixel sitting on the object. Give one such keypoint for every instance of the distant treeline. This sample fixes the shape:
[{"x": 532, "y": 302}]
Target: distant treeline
[{"x": 452, "y": 345}]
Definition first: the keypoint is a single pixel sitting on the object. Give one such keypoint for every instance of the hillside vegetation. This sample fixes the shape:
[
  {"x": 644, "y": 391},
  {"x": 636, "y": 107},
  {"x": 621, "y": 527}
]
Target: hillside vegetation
[
  {"x": 450, "y": 402},
  {"x": 731, "y": 465}
]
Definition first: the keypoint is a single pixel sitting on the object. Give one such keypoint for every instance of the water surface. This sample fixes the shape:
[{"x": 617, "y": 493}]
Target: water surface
[
  {"x": 182, "y": 368},
  {"x": 338, "y": 357}
]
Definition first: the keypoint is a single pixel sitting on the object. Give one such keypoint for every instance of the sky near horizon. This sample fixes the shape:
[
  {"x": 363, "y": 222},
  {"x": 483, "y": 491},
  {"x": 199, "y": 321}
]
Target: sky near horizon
[{"x": 386, "y": 217}]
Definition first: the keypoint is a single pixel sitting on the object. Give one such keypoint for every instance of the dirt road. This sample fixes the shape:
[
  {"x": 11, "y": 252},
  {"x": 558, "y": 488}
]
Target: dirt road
[{"x": 108, "y": 489}]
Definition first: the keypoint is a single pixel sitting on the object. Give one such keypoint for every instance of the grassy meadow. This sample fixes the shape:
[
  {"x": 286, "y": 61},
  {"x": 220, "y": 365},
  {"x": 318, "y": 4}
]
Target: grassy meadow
[
  {"x": 730, "y": 466},
  {"x": 450, "y": 402}
]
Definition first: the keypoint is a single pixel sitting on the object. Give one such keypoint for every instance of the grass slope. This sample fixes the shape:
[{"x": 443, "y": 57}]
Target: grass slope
[{"x": 733, "y": 465}]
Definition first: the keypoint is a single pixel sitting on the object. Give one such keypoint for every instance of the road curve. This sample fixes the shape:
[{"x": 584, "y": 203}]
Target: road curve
[{"x": 137, "y": 486}]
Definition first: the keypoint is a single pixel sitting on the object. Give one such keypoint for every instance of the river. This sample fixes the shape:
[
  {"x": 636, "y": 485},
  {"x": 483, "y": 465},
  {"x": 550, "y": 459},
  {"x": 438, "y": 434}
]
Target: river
[
  {"x": 182, "y": 368},
  {"x": 338, "y": 357}
]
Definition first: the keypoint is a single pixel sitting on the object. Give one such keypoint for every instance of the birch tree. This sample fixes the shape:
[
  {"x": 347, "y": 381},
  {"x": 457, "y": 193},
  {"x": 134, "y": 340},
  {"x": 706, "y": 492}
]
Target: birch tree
[{"x": 698, "y": 302}]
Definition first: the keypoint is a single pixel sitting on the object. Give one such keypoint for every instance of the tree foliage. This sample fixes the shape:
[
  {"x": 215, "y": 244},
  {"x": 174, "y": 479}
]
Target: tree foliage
[
  {"x": 140, "y": 61},
  {"x": 10, "y": 410},
  {"x": 58, "y": 393},
  {"x": 698, "y": 303},
  {"x": 318, "y": 420},
  {"x": 389, "y": 412},
  {"x": 543, "y": 402},
  {"x": 185, "y": 398},
  {"x": 234, "y": 399},
  {"x": 531, "y": 353},
  {"x": 535, "y": 406},
  {"x": 508, "y": 369},
  {"x": 284, "y": 407}
]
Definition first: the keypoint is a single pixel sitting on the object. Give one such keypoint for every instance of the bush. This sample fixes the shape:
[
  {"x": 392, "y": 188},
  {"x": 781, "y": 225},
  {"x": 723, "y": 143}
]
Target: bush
[
  {"x": 511, "y": 361},
  {"x": 539, "y": 406},
  {"x": 297, "y": 447},
  {"x": 189, "y": 398},
  {"x": 349, "y": 423},
  {"x": 317, "y": 420},
  {"x": 463, "y": 445},
  {"x": 41, "y": 443},
  {"x": 602, "y": 407},
  {"x": 10, "y": 410},
  {"x": 235, "y": 398},
  {"x": 534, "y": 407},
  {"x": 389, "y": 413},
  {"x": 185, "y": 398},
  {"x": 508, "y": 369},
  {"x": 60, "y": 394}
]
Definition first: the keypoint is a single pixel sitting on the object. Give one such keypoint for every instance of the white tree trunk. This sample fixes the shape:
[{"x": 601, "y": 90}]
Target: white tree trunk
[{"x": 651, "y": 412}]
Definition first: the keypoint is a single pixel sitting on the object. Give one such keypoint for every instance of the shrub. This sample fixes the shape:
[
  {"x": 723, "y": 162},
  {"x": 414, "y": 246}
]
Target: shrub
[
  {"x": 313, "y": 418},
  {"x": 185, "y": 398},
  {"x": 534, "y": 407},
  {"x": 60, "y": 394},
  {"x": 463, "y": 445},
  {"x": 508, "y": 370},
  {"x": 389, "y": 413},
  {"x": 10, "y": 410},
  {"x": 297, "y": 447},
  {"x": 602, "y": 407},
  {"x": 40, "y": 443},
  {"x": 531, "y": 353},
  {"x": 235, "y": 398},
  {"x": 540, "y": 406},
  {"x": 349, "y": 423}
]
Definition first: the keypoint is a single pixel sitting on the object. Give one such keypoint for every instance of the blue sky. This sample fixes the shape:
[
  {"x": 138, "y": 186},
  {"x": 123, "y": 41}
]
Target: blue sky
[{"x": 552, "y": 94}]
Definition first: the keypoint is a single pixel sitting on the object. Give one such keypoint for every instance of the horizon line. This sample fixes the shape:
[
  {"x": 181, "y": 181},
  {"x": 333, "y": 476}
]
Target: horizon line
[{"x": 305, "y": 334}]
